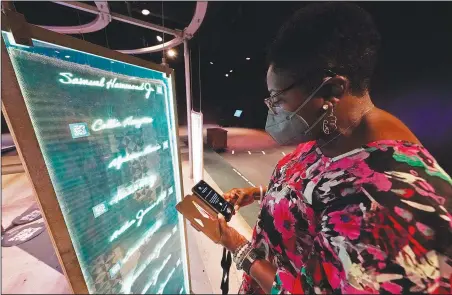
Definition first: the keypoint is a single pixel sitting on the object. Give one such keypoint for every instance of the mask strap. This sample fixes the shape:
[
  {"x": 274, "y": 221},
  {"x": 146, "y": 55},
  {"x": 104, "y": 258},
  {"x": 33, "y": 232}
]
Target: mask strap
[
  {"x": 311, "y": 96},
  {"x": 315, "y": 123}
]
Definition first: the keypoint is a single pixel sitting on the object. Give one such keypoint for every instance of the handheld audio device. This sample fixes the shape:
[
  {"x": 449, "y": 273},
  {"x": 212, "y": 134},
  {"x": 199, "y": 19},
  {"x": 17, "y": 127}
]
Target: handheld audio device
[{"x": 213, "y": 199}]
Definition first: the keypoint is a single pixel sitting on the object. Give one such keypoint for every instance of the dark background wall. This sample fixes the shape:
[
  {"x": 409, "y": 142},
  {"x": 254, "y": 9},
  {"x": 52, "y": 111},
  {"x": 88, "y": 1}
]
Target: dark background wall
[{"x": 412, "y": 78}]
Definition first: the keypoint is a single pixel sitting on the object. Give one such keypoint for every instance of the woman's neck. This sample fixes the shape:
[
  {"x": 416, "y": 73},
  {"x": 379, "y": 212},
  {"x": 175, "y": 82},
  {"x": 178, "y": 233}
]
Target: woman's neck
[
  {"x": 353, "y": 126},
  {"x": 373, "y": 125}
]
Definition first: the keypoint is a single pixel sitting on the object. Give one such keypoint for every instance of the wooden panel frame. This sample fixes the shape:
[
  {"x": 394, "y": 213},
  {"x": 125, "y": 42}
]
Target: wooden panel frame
[{"x": 22, "y": 131}]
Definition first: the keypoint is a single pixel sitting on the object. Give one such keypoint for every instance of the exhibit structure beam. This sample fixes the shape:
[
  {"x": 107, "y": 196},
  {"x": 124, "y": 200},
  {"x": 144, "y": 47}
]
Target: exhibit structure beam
[
  {"x": 198, "y": 146},
  {"x": 186, "y": 34},
  {"x": 111, "y": 15},
  {"x": 189, "y": 107},
  {"x": 105, "y": 16},
  {"x": 102, "y": 19}
]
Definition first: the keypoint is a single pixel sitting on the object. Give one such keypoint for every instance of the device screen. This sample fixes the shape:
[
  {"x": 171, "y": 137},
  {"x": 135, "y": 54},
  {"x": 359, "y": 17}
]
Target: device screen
[{"x": 214, "y": 199}]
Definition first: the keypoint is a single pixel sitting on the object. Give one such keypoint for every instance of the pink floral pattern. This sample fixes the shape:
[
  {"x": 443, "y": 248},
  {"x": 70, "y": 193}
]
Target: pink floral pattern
[
  {"x": 284, "y": 219},
  {"x": 346, "y": 224},
  {"x": 375, "y": 221}
]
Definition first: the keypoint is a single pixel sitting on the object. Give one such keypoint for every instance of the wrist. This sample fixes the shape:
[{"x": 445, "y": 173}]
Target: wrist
[
  {"x": 239, "y": 244},
  {"x": 251, "y": 257},
  {"x": 240, "y": 253},
  {"x": 259, "y": 192},
  {"x": 255, "y": 192}
]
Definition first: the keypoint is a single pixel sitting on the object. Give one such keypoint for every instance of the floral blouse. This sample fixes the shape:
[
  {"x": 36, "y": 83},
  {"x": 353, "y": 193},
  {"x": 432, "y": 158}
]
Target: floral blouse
[{"x": 373, "y": 220}]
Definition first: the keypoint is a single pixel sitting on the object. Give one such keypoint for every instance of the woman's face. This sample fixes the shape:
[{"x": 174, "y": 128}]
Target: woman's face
[{"x": 293, "y": 97}]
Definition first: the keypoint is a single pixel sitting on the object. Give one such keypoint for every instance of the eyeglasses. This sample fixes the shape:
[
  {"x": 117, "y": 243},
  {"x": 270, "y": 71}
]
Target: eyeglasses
[{"x": 272, "y": 101}]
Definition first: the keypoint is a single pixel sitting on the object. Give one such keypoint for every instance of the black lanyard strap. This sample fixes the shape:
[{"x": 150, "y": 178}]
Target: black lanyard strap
[{"x": 226, "y": 262}]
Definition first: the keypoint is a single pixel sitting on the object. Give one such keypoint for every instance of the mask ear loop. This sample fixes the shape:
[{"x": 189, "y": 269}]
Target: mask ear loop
[
  {"x": 307, "y": 100},
  {"x": 311, "y": 96},
  {"x": 325, "y": 107}
]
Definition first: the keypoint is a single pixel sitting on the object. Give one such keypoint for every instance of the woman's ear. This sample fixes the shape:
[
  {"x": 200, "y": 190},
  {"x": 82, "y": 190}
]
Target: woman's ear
[
  {"x": 336, "y": 88},
  {"x": 336, "y": 91}
]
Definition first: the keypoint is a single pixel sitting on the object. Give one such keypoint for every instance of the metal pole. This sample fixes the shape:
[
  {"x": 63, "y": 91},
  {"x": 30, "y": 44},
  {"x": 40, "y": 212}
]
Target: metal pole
[{"x": 188, "y": 95}]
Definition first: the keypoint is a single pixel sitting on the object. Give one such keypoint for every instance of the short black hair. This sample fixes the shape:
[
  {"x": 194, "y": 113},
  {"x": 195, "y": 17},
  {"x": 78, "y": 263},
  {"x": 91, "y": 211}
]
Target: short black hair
[{"x": 336, "y": 36}]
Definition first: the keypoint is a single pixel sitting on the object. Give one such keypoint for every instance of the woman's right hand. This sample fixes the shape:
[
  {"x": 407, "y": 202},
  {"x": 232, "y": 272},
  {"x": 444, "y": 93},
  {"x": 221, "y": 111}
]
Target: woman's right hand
[{"x": 240, "y": 197}]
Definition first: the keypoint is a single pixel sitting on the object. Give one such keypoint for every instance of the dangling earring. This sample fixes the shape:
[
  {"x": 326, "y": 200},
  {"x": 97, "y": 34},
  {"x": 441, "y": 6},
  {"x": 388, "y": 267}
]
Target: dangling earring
[{"x": 329, "y": 123}]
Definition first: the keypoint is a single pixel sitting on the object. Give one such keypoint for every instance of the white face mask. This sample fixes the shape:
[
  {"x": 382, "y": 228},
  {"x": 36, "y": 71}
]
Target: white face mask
[{"x": 288, "y": 128}]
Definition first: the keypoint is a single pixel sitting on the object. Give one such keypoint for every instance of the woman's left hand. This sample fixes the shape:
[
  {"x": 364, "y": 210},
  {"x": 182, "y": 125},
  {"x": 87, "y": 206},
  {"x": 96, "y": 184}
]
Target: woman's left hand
[{"x": 230, "y": 238}]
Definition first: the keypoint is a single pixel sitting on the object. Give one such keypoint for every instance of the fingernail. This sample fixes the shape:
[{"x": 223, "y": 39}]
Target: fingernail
[
  {"x": 220, "y": 216},
  {"x": 236, "y": 207}
]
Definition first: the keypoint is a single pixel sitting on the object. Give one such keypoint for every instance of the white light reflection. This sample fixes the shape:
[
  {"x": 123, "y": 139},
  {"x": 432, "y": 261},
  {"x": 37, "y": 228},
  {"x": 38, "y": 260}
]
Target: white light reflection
[
  {"x": 163, "y": 285},
  {"x": 113, "y": 123},
  {"x": 68, "y": 78},
  {"x": 155, "y": 276},
  {"x": 128, "y": 282},
  {"x": 139, "y": 217},
  {"x": 147, "y": 236},
  {"x": 142, "y": 212},
  {"x": 117, "y": 162},
  {"x": 171, "y": 53},
  {"x": 123, "y": 228},
  {"x": 126, "y": 191}
]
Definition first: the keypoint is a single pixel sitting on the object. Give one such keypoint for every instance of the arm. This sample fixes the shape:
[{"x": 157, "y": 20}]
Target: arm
[
  {"x": 263, "y": 272},
  {"x": 257, "y": 192},
  {"x": 241, "y": 197}
]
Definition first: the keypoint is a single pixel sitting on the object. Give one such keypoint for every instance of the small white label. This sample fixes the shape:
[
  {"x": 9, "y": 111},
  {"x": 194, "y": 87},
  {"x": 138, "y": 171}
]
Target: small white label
[{"x": 100, "y": 209}]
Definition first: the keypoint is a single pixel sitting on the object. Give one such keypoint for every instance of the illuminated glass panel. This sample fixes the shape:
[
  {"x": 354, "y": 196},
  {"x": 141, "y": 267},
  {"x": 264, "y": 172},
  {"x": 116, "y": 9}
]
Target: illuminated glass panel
[{"x": 107, "y": 132}]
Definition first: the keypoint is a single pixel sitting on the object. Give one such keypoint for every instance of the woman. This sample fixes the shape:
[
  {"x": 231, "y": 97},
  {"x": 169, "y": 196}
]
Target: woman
[{"x": 360, "y": 206}]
